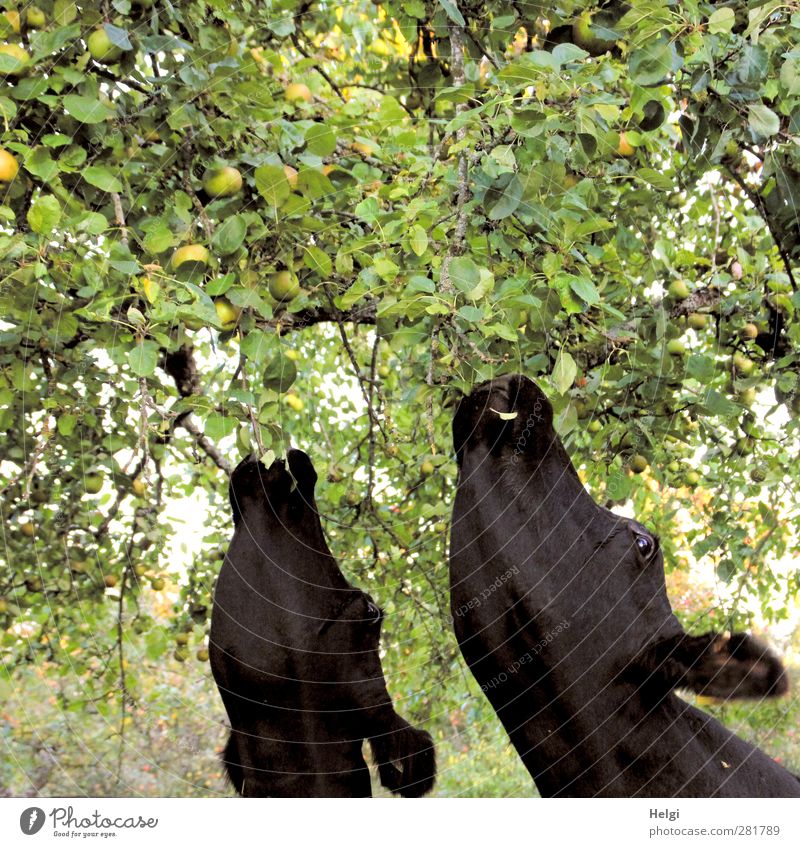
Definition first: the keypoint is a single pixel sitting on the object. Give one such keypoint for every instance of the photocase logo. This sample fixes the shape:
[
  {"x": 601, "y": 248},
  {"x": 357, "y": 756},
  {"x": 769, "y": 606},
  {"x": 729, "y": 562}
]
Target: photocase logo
[{"x": 31, "y": 820}]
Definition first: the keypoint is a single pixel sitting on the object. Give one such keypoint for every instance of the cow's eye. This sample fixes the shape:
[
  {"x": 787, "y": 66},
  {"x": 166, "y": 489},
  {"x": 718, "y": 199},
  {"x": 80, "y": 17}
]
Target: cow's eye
[{"x": 645, "y": 545}]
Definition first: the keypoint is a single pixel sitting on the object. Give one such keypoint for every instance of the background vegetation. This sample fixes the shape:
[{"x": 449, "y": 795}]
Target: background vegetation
[{"x": 227, "y": 225}]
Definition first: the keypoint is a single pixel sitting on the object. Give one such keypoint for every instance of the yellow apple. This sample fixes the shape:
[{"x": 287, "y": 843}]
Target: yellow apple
[
  {"x": 624, "y": 147},
  {"x": 12, "y": 16},
  {"x": 227, "y": 313},
  {"x": 291, "y": 175},
  {"x": 190, "y": 253},
  {"x": 222, "y": 182},
  {"x": 9, "y": 167},
  {"x": 21, "y": 56},
  {"x": 297, "y": 91}
]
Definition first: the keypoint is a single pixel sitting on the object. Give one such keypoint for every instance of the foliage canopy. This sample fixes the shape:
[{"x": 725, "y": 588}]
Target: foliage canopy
[{"x": 450, "y": 190}]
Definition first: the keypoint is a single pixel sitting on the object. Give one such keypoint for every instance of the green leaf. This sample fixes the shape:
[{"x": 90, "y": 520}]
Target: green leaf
[
  {"x": 721, "y": 21},
  {"x": 453, "y": 12},
  {"x": 101, "y": 177},
  {"x": 509, "y": 200},
  {"x": 659, "y": 180},
  {"x": 280, "y": 373},
  {"x": 272, "y": 184},
  {"x": 218, "y": 426},
  {"x": 585, "y": 289},
  {"x": 87, "y": 110},
  {"x": 118, "y": 37},
  {"x": 651, "y": 65},
  {"x": 715, "y": 403},
  {"x": 256, "y": 345},
  {"x": 144, "y": 358},
  {"x": 464, "y": 273},
  {"x": 229, "y": 236},
  {"x": 368, "y": 209},
  {"x": 66, "y": 424},
  {"x": 418, "y": 240},
  {"x": 320, "y": 140},
  {"x": 564, "y": 372},
  {"x": 44, "y": 214},
  {"x": 763, "y": 121},
  {"x": 318, "y": 260}
]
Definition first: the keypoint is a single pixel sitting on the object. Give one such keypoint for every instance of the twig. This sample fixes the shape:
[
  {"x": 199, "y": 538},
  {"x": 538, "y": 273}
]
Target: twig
[
  {"x": 756, "y": 199},
  {"x": 354, "y": 362},
  {"x": 120, "y": 218},
  {"x": 250, "y": 410},
  {"x": 317, "y": 67},
  {"x": 205, "y": 445},
  {"x": 456, "y": 246},
  {"x": 186, "y": 179},
  {"x": 371, "y": 392}
]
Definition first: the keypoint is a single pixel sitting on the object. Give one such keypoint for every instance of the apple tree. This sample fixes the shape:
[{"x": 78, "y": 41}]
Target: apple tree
[{"x": 225, "y": 227}]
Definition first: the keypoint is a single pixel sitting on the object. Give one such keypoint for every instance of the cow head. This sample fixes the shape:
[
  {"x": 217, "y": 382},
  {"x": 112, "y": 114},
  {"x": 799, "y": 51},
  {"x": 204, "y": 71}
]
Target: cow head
[
  {"x": 284, "y": 489},
  {"x": 601, "y": 573}
]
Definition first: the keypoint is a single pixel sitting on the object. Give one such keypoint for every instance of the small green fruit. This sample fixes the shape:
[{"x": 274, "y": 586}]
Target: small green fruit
[
  {"x": 748, "y": 332},
  {"x": 743, "y": 364},
  {"x": 678, "y": 290},
  {"x": 35, "y": 17},
  {"x": 222, "y": 182},
  {"x": 747, "y": 397},
  {"x": 697, "y": 321},
  {"x": 691, "y": 478},
  {"x": 227, "y": 313},
  {"x": 101, "y": 48},
  {"x": 594, "y": 426},
  {"x": 638, "y": 464},
  {"x": 283, "y": 286},
  {"x": 675, "y": 347},
  {"x": 758, "y": 475},
  {"x": 426, "y": 468},
  {"x": 93, "y": 483}
]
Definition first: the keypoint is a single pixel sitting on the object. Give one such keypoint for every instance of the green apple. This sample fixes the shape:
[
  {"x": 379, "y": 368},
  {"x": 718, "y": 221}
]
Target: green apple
[
  {"x": 283, "y": 286},
  {"x": 678, "y": 289},
  {"x": 222, "y": 182},
  {"x": 585, "y": 36},
  {"x": 93, "y": 482},
  {"x": 638, "y": 464},
  {"x": 697, "y": 321},
  {"x": 101, "y": 48},
  {"x": 35, "y": 17}
]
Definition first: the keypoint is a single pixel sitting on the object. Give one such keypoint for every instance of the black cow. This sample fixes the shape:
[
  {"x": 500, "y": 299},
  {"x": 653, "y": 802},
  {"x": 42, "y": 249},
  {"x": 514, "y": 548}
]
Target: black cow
[
  {"x": 294, "y": 652},
  {"x": 561, "y": 612}
]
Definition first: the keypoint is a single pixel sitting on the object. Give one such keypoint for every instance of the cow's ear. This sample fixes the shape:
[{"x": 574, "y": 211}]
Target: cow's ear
[
  {"x": 303, "y": 473},
  {"x": 732, "y": 667}
]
